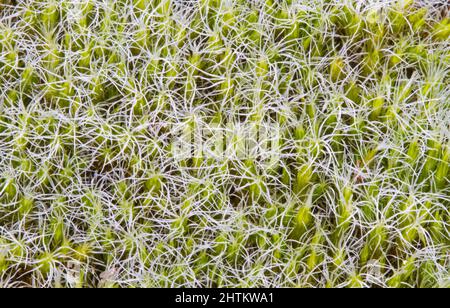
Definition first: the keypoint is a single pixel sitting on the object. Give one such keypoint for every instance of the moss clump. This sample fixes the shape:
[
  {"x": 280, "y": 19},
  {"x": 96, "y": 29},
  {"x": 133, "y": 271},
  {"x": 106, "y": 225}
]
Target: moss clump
[{"x": 213, "y": 143}]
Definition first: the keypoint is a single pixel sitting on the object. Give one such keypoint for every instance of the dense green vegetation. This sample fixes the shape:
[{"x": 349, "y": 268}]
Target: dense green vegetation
[{"x": 353, "y": 192}]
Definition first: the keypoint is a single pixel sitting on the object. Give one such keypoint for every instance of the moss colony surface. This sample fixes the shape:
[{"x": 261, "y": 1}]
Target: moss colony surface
[{"x": 348, "y": 187}]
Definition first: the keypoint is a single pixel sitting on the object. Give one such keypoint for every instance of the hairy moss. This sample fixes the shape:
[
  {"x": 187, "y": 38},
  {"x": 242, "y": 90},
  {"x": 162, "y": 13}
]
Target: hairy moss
[{"x": 224, "y": 143}]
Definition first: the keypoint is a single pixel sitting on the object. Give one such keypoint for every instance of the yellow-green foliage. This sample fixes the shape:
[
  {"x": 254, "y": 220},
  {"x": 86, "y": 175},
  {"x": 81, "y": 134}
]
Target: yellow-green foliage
[{"x": 345, "y": 104}]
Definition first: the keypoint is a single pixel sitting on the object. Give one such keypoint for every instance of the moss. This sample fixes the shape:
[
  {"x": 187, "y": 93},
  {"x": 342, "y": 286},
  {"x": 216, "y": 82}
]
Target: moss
[{"x": 315, "y": 138}]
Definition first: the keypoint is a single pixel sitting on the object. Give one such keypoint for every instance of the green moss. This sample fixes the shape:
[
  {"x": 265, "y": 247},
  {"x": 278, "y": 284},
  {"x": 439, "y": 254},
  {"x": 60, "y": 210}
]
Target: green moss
[{"x": 346, "y": 186}]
